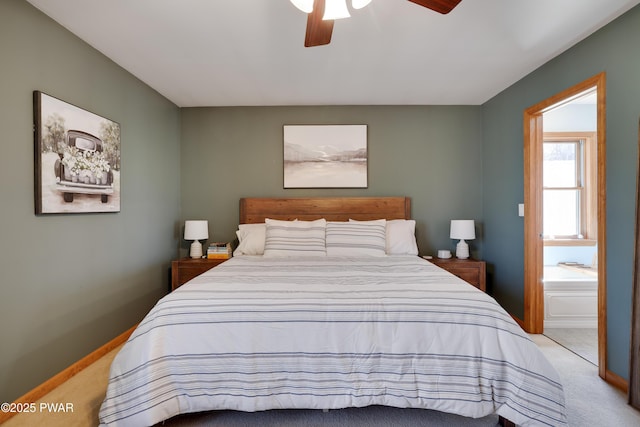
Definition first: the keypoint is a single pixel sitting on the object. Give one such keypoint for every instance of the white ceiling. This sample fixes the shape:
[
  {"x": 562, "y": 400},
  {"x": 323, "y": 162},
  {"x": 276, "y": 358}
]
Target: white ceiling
[{"x": 393, "y": 52}]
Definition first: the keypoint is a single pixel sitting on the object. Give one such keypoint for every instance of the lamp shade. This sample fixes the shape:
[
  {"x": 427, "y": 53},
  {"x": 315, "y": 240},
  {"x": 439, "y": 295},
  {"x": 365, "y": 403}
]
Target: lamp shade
[
  {"x": 463, "y": 229},
  {"x": 304, "y": 5},
  {"x": 196, "y": 230},
  {"x": 335, "y": 9}
]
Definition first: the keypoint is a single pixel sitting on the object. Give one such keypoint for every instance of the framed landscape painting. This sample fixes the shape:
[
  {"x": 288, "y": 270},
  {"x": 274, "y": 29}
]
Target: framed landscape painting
[
  {"x": 325, "y": 156},
  {"x": 77, "y": 159}
]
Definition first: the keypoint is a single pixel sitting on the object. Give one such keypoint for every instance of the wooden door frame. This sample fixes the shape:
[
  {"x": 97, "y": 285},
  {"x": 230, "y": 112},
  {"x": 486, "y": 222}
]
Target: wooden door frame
[{"x": 533, "y": 244}]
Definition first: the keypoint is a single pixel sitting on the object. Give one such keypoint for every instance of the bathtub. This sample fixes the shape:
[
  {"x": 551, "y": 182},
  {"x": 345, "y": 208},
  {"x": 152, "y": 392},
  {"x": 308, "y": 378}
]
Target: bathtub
[{"x": 570, "y": 298}]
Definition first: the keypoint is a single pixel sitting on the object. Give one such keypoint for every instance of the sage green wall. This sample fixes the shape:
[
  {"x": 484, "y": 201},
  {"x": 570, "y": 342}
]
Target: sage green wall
[
  {"x": 613, "y": 49},
  {"x": 70, "y": 283},
  {"x": 431, "y": 154}
]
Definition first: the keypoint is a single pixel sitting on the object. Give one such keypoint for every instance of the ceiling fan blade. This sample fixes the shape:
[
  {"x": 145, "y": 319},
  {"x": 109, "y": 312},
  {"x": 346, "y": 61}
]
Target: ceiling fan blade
[
  {"x": 318, "y": 31},
  {"x": 441, "y": 6}
]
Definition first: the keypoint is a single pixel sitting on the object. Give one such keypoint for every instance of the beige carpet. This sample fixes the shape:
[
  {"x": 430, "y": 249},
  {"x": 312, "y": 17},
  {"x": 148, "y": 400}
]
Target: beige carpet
[
  {"x": 590, "y": 402},
  {"x": 85, "y": 392}
]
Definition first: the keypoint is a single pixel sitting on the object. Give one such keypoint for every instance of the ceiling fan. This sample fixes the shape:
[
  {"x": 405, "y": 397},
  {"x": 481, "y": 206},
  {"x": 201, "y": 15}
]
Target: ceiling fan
[{"x": 319, "y": 27}]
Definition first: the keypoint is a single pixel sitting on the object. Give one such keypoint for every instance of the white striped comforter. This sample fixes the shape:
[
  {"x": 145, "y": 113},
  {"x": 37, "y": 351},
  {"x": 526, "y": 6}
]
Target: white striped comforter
[{"x": 261, "y": 333}]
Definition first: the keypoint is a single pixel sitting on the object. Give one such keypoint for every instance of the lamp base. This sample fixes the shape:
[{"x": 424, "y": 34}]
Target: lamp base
[
  {"x": 462, "y": 250},
  {"x": 196, "y": 249}
]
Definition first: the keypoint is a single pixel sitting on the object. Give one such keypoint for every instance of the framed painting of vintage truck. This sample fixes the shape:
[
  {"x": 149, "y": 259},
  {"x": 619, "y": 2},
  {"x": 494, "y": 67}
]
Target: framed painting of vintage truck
[{"x": 77, "y": 159}]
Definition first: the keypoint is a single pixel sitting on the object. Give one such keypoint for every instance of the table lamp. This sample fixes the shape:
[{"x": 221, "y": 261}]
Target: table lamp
[
  {"x": 196, "y": 230},
  {"x": 463, "y": 229}
]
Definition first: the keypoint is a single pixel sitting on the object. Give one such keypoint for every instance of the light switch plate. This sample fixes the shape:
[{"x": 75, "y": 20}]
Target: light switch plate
[{"x": 521, "y": 209}]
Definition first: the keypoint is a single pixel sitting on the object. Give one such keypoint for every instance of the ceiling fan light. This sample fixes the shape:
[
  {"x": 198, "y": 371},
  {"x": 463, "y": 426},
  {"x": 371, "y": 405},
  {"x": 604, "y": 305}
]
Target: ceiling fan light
[
  {"x": 359, "y": 4},
  {"x": 304, "y": 5},
  {"x": 335, "y": 9}
]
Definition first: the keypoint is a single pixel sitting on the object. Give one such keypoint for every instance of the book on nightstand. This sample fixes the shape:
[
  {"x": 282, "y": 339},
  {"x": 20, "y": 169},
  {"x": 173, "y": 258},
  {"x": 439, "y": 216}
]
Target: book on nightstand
[{"x": 219, "y": 251}]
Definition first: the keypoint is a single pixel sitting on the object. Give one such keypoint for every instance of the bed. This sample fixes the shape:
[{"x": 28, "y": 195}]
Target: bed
[{"x": 345, "y": 328}]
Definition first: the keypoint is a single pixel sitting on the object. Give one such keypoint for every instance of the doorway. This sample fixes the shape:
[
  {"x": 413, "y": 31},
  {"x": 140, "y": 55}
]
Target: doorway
[
  {"x": 578, "y": 230},
  {"x": 570, "y": 222}
]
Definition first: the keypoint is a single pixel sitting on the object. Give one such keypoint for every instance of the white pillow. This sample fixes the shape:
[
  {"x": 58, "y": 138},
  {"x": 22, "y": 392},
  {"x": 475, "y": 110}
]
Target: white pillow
[
  {"x": 401, "y": 237},
  {"x": 356, "y": 238},
  {"x": 251, "y": 239},
  {"x": 295, "y": 238}
]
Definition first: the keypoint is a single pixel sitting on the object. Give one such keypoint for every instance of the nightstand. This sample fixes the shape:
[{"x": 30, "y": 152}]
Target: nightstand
[
  {"x": 469, "y": 270},
  {"x": 185, "y": 269}
]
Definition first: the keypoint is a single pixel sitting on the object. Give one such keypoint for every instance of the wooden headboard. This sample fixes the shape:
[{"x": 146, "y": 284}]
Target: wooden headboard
[{"x": 255, "y": 210}]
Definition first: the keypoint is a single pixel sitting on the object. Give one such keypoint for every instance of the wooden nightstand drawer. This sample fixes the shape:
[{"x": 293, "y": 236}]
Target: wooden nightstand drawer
[
  {"x": 185, "y": 269},
  {"x": 468, "y": 274},
  {"x": 469, "y": 270}
]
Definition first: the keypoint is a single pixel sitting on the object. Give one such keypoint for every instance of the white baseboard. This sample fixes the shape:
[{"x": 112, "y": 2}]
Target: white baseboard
[{"x": 573, "y": 324}]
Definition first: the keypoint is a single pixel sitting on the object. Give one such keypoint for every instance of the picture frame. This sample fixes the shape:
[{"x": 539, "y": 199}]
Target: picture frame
[
  {"x": 77, "y": 160},
  {"x": 325, "y": 156}
]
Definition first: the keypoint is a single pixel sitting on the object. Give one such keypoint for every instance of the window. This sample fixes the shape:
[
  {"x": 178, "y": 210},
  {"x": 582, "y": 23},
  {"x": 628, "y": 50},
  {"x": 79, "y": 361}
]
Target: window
[{"x": 569, "y": 188}]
